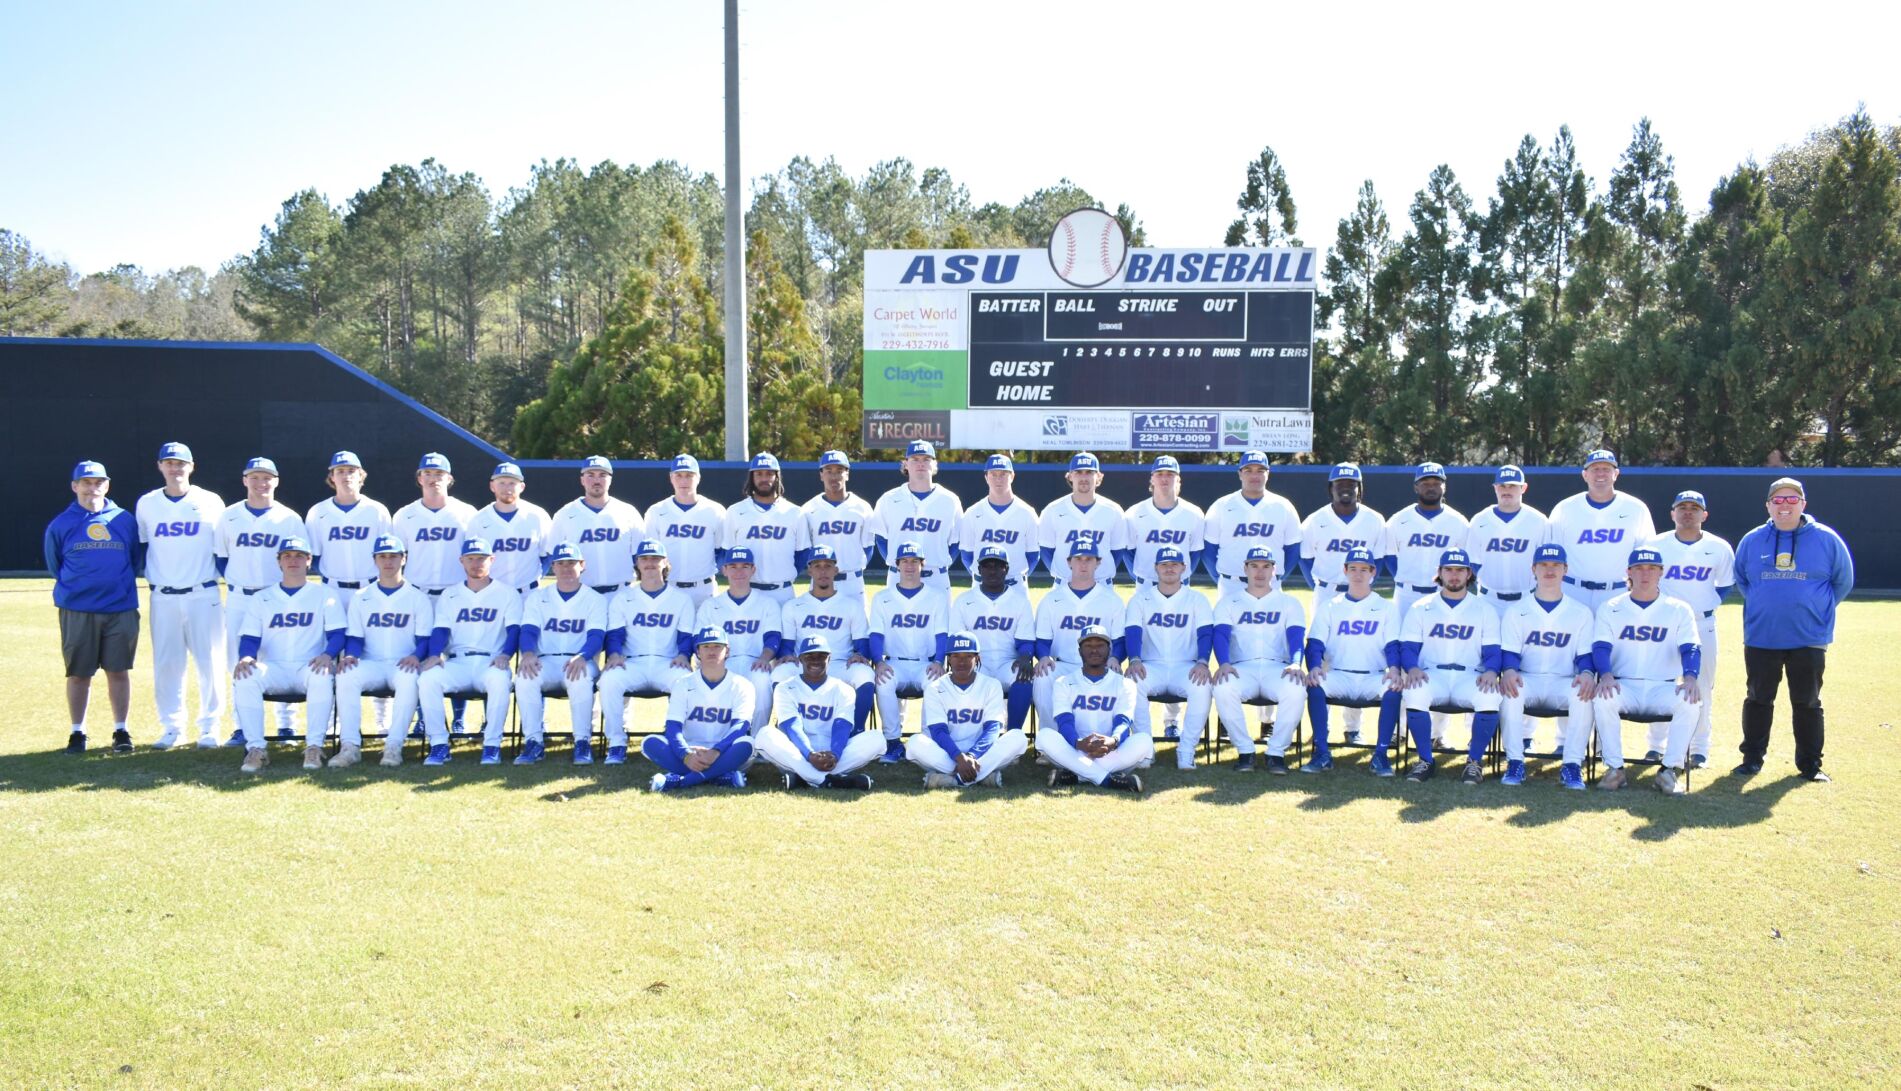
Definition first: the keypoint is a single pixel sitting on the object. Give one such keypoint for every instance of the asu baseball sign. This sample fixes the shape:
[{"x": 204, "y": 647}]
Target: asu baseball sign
[{"x": 1140, "y": 349}]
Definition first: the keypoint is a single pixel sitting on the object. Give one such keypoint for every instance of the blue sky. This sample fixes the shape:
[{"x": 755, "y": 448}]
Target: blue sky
[{"x": 167, "y": 134}]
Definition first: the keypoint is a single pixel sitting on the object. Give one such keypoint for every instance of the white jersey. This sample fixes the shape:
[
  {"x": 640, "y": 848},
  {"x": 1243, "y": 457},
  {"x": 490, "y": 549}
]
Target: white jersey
[
  {"x": 340, "y": 540},
  {"x": 710, "y": 714},
  {"x": 563, "y": 620},
  {"x": 775, "y": 534},
  {"x": 1647, "y": 640},
  {"x": 1501, "y": 545},
  {"x": 1325, "y": 539},
  {"x": 691, "y": 535},
  {"x": 389, "y": 623},
  {"x": 180, "y": 536},
  {"x": 814, "y": 713},
  {"x": 1696, "y": 572},
  {"x": 965, "y": 710},
  {"x": 1170, "y": 625},
  {"x": 1011, "y": 529},
  {"x": 653, "y": 624},
  {"x": 1355, "y": 632},
  {"x": 1096, "y": 703},
  {"x": 1236, "y": 524},
  {"x": 1417, "y": 540},
  {"x": 747, "y": 624},
  {"x": 849, "y": 527},
  {"x": 478, "y": 621},
  {"x": 1260, "y": 629},
  {"x": 1064, "y": 613},
  {"x": 1547, "y": 639},
  {"x": 518, "y": 540},
  {"x": 1451, "y": 633},
  {"x": 1063, "y": 524},
  {"x": 248, "y": 541},
  {"x": 839, "y": 620},
  {"x": 292, "y": 626},
  {"x": 434, "y": 537},
  {"x": 1148, "y": 528},
  {"x": 1597, "y": 540},
  {"x": 912, "y": 623},
  {"x": 998, "y": 624},
  {"x": 931, "y": 520},
  {"x": 606, "y": 537}
]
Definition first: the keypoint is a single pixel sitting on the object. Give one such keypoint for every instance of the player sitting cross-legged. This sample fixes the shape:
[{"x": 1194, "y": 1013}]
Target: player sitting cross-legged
[
  {"x": 964, "y": 741},
  {"x": 1647, "y": 657},
  {"x": 1094, "y": 737},
  {"x": 708, "y": 737},
  {"x": 811, "y": 737},
  {"x": 1449, "y": 649},
  {"x": 1545, "y": 652},
  {"x": 1353, "y": 655}
]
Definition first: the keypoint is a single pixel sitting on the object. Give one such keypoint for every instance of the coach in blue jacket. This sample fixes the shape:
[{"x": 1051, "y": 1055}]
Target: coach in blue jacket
[
  {"x": 93, "y": 551},
  {"x": 1793, "y": 572}
]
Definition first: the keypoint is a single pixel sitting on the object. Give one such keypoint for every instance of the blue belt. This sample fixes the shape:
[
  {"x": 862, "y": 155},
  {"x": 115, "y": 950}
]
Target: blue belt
[
  {"x": 214, "y": 583},
  {"x": 1508, "y": 596},
  {"x": 607, "y": 588},
  {"x": 465, "y": 655},
  {"x": 1426, "y": 590},
  {"x": 437, "y": 593},
  {"x": 769, "y": 586},
  {"x": 348, "y": 585},
  {"x": 1344, "y": 670},
  {"x": 1450, "y": 667},
  {"x": 1590, "y": 585}
]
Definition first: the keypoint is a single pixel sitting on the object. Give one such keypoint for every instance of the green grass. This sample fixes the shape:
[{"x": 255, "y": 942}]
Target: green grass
[{"x": 166, "y": 923}]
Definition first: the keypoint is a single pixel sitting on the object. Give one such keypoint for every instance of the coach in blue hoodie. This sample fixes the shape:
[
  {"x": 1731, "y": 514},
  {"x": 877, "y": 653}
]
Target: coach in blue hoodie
[
  {"x": 94, "y": 553},
  {"x": 1793, "y": 572}
]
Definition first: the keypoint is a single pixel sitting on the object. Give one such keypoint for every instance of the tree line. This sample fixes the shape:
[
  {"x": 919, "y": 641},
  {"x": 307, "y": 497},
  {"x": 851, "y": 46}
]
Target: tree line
[{"x": 580, "y": 312}]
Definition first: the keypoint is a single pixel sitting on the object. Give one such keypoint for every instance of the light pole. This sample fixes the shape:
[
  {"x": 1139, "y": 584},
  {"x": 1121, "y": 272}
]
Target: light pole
[{"x": 736, "y": 408}]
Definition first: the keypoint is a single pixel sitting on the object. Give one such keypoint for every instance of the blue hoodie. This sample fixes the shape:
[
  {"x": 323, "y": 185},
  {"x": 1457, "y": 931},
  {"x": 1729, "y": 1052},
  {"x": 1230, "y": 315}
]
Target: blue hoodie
[{"x": 1792, "y": 607}]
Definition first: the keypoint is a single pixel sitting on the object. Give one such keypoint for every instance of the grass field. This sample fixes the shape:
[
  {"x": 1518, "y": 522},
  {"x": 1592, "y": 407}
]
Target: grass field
[{"x": 166, "y": 923}]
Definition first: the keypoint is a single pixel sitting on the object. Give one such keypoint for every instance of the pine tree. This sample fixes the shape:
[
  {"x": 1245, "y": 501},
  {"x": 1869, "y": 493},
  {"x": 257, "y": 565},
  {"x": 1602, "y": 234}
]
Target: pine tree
[{"x": 1267, "y": 217}]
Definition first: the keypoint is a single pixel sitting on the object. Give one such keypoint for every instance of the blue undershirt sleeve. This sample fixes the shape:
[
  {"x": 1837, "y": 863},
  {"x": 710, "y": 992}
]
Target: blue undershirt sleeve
[
  {"x": 530, "y": 639},
  {"x": 616, "y": 641},
  {"x": 1132, "y": 640},
  {"x": 940, "y": 734},
  {"x": 1066, "y": 726},
  {"x": 1222, "y": 643},
  {"x": 1316, "y": 652},
  {"x": 438, "y": 640},
  {"x": 353, "y": 646},
  {"x": 248, "y": 646},
  {"x": 1296, "y": 640},
  {"x": 1601, "y": 657},
  {"x": 1409, "y": 653},
  {"x": 986, "y": 740},
  {"x": 591, "y": 645},
  {"x": 1211, "y": 560},
  {"x": 511, "y": 641},
  {"x": 841, "y": 734},
  {"x": 791, "y": 729},
  {"x": 1489, "y": 658},
  {"x": 1692, "y": 659},
  {"x": 333, "y": 642}
]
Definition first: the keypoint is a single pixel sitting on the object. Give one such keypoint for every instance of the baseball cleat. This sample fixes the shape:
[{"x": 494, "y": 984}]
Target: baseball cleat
[
  {"x": 939, "y": 780},
  {"x": 255, "y": 759},
  {"x": 616, "y": 755},
  {"x": 1353, "y": 737},
  {"x": 1748, "y": 768},
  {"x": 893, "y": 752},
  {"x": 207, "y": 741},
  {"x": 1474, "y": 772},
  {"x": 1381, "y": 765},
  {"x": 348, "y": 754},
  {"x": 76, "y": 743},
  {"x": 583, "y": 752},
  {"x": 1277, "y": 765},
  {"x": 1421, "y": 771},
  {"x": 313, "y": 758},
  {"x": 1670, "y": 782},
  {"x": 438, "y": 755},
  {"x": 392, "y": 753},
  {"x": 1653, "y": 755},
  {"x": 236, "y": 739},
  {"x": 1571, "y": 776},
  {"x": 661, "y": 782},
  {"x": 1171, "y": 732},
  {"x": 1244, "y": 763},
  {"x": 491, "y": 755},
  {"x": 1613, "y": 780},
  {"x": 734, "y": 779},
  {"x": 531, "y": 752},
  {"x": 1514, "y": 774},
  {"x": 1319, "y": 763},
  {"x": 1817, "y": 777},
  {"x": 1185, "y": 765},
  {"x": 166, "y": 740},
  {"x": 455, "y": 728},
  {"x": 285, "y": 731},
  {"x": 1062, "y": 778},
  {"x": 1527, "y": 742},
  {"x": 792, "y": 782},
  {"x": 121, "y": 741},
  {"x": 1699, "y": 761},
  {"x": 850, "y": 782},
  {"x": 1124, "y": 782}
]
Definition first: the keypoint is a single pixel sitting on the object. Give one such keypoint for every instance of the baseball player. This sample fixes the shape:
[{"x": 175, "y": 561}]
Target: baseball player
[
  {"x": 964, "y": 741},
  {"x": 245, "y": 553},
  {"x": 998, "y": 614},
  {"x": 753, "y": 624},
  {"x": 839, "y": 621},
  {"x": 708, "y": 737},
  {"x": 1260, "y": 635},
  {"x": 1502, "y": 538},
  {"x": 178, "y": 524},
  {"x": 1248, "y": 517},
  {"x": 1545, "y": 652},
  {"x": 478, "y": 628},
  {"x": 1163, "y": 520},
  {"x": 1416, "y": 537},
  {"x": 1084, "y": 515},
  {"x": 772, "y": 530},
  {"x": 1353, "y": 655},
  {"x": 386, "y": 640},
  {"x": 1598, "y": 528},
  {"x": 1700, "y": 569},
  {"x": 432, "y": 527},
  {"x": 910, "y": 629},
  {"x": 1329, "y": 534},
  {"x": 811, "y": 738},
  {"x": 343, "y": 526},
  {"x": 288, "y": 642},
  {"x": 602, "y": 529},
  {"x": 1064, "y": 613},
  {"x": 649, "y": 643},
  {"x": 1094, "y": 738},
  {"x": 1647, "y": 659},
  {"x": 1448, "y": 648},
  {"x": 842, "y": 521},
  {"x": 1168, "y": 635},
  {"x": 519, "y": 534},
  {"x": 1000, "y": 521},
  {"x": 564, "y": 623},
  {"x": 689, "y": 526},
  {"x": 923, "y": 513}
]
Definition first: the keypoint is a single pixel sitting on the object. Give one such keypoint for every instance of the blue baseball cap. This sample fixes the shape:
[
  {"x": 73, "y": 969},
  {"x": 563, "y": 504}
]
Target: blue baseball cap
[
  {"x": 345, "y": 458},
  {"x": 1361, "y": 555},
  {"x": 648, "y": 547},
  {"x": 962, "y": 644},
  {"x": 1344, "y": 471},
  {"x": 1170, "y": 555},
  {"x": 833, "y": 458},
  {"x": 1455, "y": 558},
  {"x": 1259, "y": 553},
  {"x": 1083, "y": 460},
  {"x": 89, "y": 468},
  {"x": 1508, "y": 475},
  {"x": 764, "y": 460},
  {"x": 920, "y": 447},
  {"x": 1691, "y": 496},
  {"x": 387, "y": 543},
  {"x": 685, "y": 464},
  {"x": 1084, "y": 547},
  {"x": 1093, "y": 632},
  {"x": 434, "y": 460},
  {"x": 992, "y": 553},
  {"x": 812, "y": 645},
  {"x": 564, "y": 551},
  {"x": 1642, "y": 555},
  {"x": 597, "y": 462},
  {"x": 1166, "y": 464},
  {"x": 908, "y": 549},
  {"x": 709, "y": 634},
  {"x": 822, "y": 553},
  {"x": 507, "y": 469},
  {"x": 174, "y": 450},
  {"x": 739, "y": 555},
  {"x": 261, "y": 464},
  {"x": 1429, "y": 469},
  {"x": 1553, "y": 552},
  {"x": 293, "y": 544},
  {"x": 1253, "y": 458},
  {"x": 999, "y": 462},
  {"x": 1597, "y": 456},
  {"x": 476, "y": 547}
]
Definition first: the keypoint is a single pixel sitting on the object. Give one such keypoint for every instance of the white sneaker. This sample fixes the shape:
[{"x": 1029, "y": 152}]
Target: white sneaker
[
  {"x": 255, "y": 759},
  {"x": 313, "y": 757},
  {"x": 208, "y": 741},
  {"x": 167, "y": 740},
  {"x": 392, "y": 753},
  {"x": 939, "y": 780},
  {"x": 347, "y": 755}
]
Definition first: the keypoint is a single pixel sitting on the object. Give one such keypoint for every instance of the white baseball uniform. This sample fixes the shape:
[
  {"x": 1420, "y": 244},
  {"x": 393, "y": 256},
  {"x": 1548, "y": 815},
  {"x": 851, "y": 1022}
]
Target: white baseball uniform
[
  {"x": 291, "y": 628},
  {"x": 1060, "y": 619},
  {"x": 1148, "y": 529},
  {"x": 1597, "y": 542},
  {"x": 1261, "y": 638},
  {"x": 1325, "y": 539},
  {"x": 809, "y": 719},
  {"x": 1415, "y": 539},
  {"x": 434, "y": 537},
  {"x": 341, "y": 539},
  {"x": 1005, "y": 628},
  {"x": 931, "y": 520},
  {"x": 1011, "y": 528},
  {"x": 652, "y": 629},
  {"x": 517, "y": 541},
  {"x": 475, "y": 637},
  {"x": 383, "y": 628},
  {"x": 1357, "y": 639},
  {"x": 776, "y": 535},
  {"x": 1548, "y": 644},
  {"x": 692, "y": 537},
  {"x": 1094, "y": 706},
  {"x": 1064, "y": 523},
  {"x": 1701, "y": 574},
  {"x": 247, "y": 540},
  {"x": 1453, "y": 639},
  {"x": 850, "y": 527},
  {"x": 1647, "y": 642},
  {"x": 1170, "y": 634},
  {"x": 753, "y": 627},
  {"x": 909, "y": 629},
  {"x": 1236, "y": 524},
  {"x": 1501, "y": 546},
  {"x": 839, "y": 619},
  {"x": 605, "y": 536},
  {"x": 187, "y": 614},
  {"x": 715, "y": 715},
  {"x": 960, "y": 720},
  {"x": 563, "y": 626}
]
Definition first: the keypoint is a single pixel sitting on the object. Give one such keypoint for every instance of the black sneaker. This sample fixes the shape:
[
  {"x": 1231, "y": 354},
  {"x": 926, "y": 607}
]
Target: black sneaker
[
  {"x": 1817, "y": 777},
  {"x": 1698, "y": 761},
  {"x": 1245, "y": 764},
  {"x": 792, "y": 781},
  {"x": 121, "y": 741},
  {"x": 1748, "y": 768},
  {"x": 1474, "y": 772},
  {"x": 76, "y": 743},
  {"x": 1421, "y": 772},
  {"x": 1061, "y": 778},
  {"x": 1124, "y": 782},
  {"x": 850, "y": 782},
  {"x": 1653, "y": 755},
  {"x": 1277, "y": 765}
]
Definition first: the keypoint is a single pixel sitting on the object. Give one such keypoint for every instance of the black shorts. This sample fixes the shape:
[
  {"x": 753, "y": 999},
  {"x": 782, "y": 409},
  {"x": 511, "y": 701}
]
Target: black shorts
[{"x": 91, "y": 641}]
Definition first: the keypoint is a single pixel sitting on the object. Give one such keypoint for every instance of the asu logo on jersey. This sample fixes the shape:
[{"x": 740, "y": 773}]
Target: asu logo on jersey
[
  {"x": 1429, "y": 541},
  {"x": 1078, "y": 624},
  {"x": 771, "y": 534},
  {"x": 1548, "y": 640},
  {"x": 685, "y": 530},
  {"x": 821, "y": 713},
  {"x": 301, "y": 620},
  {"x": 994, "y": 536},
  {"x": 1445, "y": 630},
  {"x": 565, "y": 625},
  {"x": 349, "y": 534},
  {"x": 512, "y": 545},
  {"x": 830, "y": 622},
  {"x": 1167, "y": 537},
  {"x": 1651, "y": 633},
  {"x": 1341, "y": 545},
  {"x": 1094, "y": 702},
  {"x": 1358, "y": 628},
  {"x": 837, "y": 526},
  {"x": 1253, "y": 530},
  {"x": 1601, "y": 536},
  {"x": 741, "y": 626},
  {"x": 1697, "y": 573},
  {"x": 963, "y": 715},
  {"x": 1259, "y": 617},
  {"x": 438, "y": 534},
  {"x": 995, "y": 624},
  {"x": 921, "y": 524},
  {"x": 709, "y": 714},
  {"x": 650, "y": 620},
  {"x": 910, "y": 621},
  {"x": 386, "y": 621},
  {"x": 257, "y": 539},
  {"x": 1508, "y": 545},
  {"x": 1168, "y": 621},
  {"x": 593, "y": 535},
  {"x": 1093, "y": 537},
  {"x": 177, "y": 530},
  {"x": 477, "y": 614}
]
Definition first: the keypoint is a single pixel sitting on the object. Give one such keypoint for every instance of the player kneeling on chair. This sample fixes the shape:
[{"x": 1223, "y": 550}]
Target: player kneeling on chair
[
  {"x": 1647, "y": 656},
  {"x": 812, "y": 738},
  {"x": 964, "y": 741},
  {"x": 1448, "y": 648},
  {"x": 1094, "y": 737}
]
